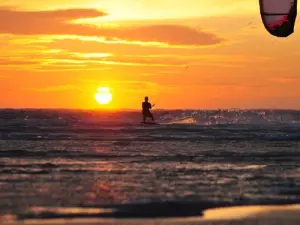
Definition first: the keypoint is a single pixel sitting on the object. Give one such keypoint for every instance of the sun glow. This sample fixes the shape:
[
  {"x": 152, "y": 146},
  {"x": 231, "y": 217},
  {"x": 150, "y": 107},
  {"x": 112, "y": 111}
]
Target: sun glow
[{"x": 103, "y": 95}]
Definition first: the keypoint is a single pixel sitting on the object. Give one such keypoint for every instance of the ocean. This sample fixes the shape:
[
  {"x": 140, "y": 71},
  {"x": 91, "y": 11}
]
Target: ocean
[{"x": 194, "y": 159}]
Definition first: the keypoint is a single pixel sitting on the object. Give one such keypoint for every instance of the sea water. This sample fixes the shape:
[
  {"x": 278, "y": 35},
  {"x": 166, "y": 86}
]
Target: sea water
[{"x": 69, "y": 158}]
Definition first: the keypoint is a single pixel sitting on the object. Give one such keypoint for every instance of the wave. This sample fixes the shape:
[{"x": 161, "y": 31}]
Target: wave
[
  {"x": 233, "y": 156},
  {"x": 176, "y": 132},
  {"x": 60, "y": 154},
  {"x": 176, "y": 125},
  {"x": 201, "y": 117}
]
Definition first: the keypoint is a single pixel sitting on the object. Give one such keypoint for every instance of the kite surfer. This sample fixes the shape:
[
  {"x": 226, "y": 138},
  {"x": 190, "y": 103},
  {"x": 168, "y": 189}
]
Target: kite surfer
[{"x": 146, "y": 105}]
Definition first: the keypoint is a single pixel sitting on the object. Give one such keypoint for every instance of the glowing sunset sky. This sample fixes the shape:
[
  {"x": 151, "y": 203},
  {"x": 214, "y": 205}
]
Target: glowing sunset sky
[{"x": 182, "y": 54}]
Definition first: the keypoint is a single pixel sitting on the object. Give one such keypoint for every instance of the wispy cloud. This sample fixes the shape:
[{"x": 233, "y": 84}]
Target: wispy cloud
[
  {"x": 40, "y": 60},
  {"x": 285, "y": 80},
  {"x": 128, "y": 86},
  {"x": 58, "y": 22},
  {"x": 43, "y": 22},
  {"x": 76, "y": 55}
]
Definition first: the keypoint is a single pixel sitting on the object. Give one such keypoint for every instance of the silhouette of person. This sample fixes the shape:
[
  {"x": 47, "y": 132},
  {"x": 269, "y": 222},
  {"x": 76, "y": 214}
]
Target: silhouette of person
[{"x": 146, "y": 109}]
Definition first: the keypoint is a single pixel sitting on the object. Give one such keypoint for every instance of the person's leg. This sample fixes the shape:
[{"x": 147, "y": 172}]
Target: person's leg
[
  {"x": 144, "y": 116},
  {"x": 152, "y": 117}
]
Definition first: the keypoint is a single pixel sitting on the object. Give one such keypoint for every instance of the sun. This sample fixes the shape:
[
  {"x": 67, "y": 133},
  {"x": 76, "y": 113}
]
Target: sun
[{"x": 103, "y": 95}]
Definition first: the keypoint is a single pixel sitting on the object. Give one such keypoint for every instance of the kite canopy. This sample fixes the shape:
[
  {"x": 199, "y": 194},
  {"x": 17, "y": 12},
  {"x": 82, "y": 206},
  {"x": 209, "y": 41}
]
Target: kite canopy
[{"x": 279, "y": 16}]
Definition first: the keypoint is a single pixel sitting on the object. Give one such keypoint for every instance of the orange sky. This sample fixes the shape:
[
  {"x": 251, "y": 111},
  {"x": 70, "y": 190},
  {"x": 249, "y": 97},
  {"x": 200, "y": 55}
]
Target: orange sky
[{"x": 182, "y": 54}]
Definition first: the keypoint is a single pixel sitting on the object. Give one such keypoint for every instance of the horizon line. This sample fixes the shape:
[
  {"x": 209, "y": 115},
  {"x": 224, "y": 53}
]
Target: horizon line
[{"x": 129, "y": 109}]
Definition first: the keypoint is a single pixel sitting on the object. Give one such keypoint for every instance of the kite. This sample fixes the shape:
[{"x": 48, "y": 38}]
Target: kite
[{"x": 279, "y": 16}]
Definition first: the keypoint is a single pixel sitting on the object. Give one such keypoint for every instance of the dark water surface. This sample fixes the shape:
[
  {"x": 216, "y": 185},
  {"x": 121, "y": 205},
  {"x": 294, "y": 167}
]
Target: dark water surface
[{"x": 59, "y": 158}]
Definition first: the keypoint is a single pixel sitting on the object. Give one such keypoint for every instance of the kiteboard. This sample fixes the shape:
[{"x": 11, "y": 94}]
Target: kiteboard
[{"x": 149, "y": 123}]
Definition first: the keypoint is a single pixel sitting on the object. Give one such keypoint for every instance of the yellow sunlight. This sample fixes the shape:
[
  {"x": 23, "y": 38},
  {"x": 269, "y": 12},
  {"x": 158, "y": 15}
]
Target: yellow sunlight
[{"x": 103, "y": 95}]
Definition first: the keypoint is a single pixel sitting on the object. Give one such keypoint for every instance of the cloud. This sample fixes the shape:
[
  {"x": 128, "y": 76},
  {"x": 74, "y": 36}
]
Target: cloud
[
  {"x": 129, "y": 86},
  {"x": 170, "y": 34},
  {"x": 41, "y": 58},
  {"x": 43, "y": 22},
  {"x": 56, "y": 59},
  {"x": 58, "y": 22},
  {"x": 135, "y": 85},
  {"x": 286, "y": 80},
  {"x": 171, "y": 86},
  {"x": 17, "y": 64},
  {"x": 7, "y": 61}
]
